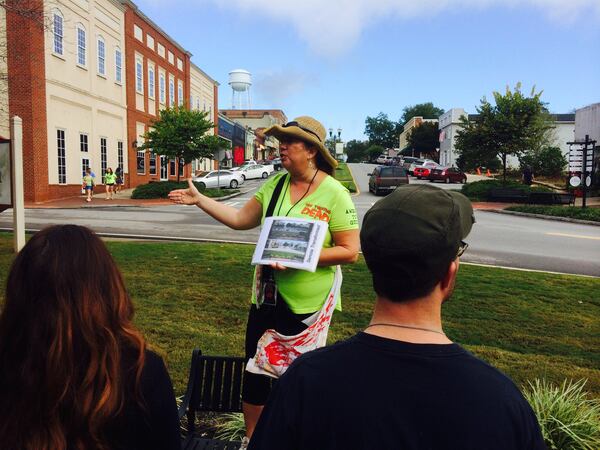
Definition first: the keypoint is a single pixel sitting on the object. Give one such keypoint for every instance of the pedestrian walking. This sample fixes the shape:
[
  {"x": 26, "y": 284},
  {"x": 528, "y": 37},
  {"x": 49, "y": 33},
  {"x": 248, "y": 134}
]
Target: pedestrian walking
[
  {"x": 119, "y": 181},
  {"x": 88, "y": 184},
  {"x": 109, "y": 182},
  {"x": 306, "y": 191},
  {"x": 401, "y": 382},
  {"x": 528, "y": 175}
]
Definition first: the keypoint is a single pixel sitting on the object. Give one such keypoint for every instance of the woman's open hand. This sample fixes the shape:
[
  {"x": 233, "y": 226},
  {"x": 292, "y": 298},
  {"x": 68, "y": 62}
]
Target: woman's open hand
[{"x": 189, "y": 196}]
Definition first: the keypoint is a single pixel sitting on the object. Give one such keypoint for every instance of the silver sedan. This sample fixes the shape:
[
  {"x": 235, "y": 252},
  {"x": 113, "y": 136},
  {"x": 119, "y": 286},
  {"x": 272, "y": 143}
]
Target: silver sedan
[{"x": 219, "y": 178}]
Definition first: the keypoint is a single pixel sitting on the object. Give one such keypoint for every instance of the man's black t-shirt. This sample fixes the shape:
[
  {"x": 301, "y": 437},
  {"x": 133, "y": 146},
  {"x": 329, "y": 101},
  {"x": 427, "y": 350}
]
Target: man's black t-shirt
[{"x": 374, "y": 393}]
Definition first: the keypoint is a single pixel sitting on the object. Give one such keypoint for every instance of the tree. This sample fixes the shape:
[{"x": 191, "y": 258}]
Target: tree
[
  {"x": 356, "y": 150},
  {"x": 382, "y": 131},
  {"x": 424, "y": 110},
  {"x": 515, "y": 125},
  {"x": 182, "y": 134},
  {"x": 425, "y": 139},
  {"x": 374, "y": 151}
]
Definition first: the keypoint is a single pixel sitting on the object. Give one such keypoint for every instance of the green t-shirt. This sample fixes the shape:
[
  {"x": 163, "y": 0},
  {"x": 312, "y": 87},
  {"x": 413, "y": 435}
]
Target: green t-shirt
[
  {"x": 305, "y": 292},
  {"x": 88, "y": 180},
  {"x": 110, "y": 178}
]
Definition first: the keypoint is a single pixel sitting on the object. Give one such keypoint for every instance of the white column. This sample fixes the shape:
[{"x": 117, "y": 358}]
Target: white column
[{"x": 18, "y": 202}]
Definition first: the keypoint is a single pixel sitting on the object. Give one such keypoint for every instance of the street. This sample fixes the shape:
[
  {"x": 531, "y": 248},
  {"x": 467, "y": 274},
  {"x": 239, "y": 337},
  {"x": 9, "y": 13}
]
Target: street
[{"x": 496, "y": 239}]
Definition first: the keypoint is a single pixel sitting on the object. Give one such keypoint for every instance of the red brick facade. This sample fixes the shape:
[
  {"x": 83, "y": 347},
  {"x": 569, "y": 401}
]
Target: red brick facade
[
  {"x": 27, "y": 99},
  {"x": 134, "y": 46}
]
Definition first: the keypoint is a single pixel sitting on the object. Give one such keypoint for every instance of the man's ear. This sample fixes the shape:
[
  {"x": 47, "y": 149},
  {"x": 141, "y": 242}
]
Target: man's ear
[{"x": 448, "y": 280}]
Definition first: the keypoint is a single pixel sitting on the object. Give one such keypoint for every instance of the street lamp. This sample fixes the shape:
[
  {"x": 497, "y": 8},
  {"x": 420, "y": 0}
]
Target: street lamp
[{"x": 335, "y": 138}]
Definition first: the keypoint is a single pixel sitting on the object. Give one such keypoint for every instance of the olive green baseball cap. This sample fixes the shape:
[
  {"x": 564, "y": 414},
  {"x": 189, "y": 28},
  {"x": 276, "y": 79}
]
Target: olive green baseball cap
[{"x": 415, "y": 232}]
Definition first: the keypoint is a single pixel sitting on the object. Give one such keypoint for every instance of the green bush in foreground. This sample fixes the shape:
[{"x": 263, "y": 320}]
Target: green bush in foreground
[
  {"x": 573, "y": 212},
  {"x": 479, "y": 190},
  {"x": 161, "y": 190},
  {"x": 231, "y": 427},
  {"x": 568, "y": 418}
]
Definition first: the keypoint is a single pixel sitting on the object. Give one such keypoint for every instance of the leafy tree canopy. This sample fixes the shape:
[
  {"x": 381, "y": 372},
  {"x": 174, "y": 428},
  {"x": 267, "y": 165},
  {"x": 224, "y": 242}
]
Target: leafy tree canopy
[
  {"x": 516, "y": 124},
  {"x": 182, "y": 134},
  {"x": 382, "y": 131},
  {"x": 356, "y": 150},
  {"x": 425, "y": 139},
  {"x": 424, "y": 110},
  {"x": 374, "y": 151}
]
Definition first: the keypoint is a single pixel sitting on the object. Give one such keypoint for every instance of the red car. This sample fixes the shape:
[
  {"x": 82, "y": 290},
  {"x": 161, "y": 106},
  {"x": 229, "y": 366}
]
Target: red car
[
  {"x": 424, "y": 170},
  {"x": 447, "y": 174}
]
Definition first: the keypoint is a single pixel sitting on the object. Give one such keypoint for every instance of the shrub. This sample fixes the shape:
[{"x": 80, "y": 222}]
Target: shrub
[
  {"x": 568, "y": 418},
  {"x": 478, "y": 190},
  {"x": 162, "y": 189},
  {"x": 548, "y": 161},
  {"x": 573, "y": 212}
]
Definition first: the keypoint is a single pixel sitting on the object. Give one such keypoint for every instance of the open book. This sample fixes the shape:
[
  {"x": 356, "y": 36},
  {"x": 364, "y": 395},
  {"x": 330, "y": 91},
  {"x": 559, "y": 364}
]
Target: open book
[{"x": 294, "y": 243}]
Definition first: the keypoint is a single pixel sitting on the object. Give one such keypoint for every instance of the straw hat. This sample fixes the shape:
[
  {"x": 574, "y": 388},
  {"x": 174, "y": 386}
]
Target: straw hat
[{"x": 306, "y": 129}]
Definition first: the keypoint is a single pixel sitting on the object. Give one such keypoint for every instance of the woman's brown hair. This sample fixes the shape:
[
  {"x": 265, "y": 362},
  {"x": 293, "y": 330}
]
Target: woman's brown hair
[{"x": 66, "y": 323}]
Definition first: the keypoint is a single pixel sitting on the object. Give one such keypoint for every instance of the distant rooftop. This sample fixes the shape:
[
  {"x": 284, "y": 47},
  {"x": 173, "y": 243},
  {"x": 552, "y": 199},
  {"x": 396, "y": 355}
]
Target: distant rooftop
[{"x": 254, "y": 114}]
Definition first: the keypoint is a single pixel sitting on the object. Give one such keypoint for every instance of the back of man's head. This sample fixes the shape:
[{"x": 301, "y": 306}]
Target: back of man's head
[{"x": 410, "y": 238}]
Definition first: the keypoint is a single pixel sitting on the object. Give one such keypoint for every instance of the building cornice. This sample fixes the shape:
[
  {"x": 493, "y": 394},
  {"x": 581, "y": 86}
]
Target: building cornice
[
  {"x": 164, "y": 34},
  {"x": 216, "y": 83}
]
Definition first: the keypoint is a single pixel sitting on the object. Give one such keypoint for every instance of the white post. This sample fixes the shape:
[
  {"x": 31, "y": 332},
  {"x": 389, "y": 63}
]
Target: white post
[{"x": 16, "y": 135}]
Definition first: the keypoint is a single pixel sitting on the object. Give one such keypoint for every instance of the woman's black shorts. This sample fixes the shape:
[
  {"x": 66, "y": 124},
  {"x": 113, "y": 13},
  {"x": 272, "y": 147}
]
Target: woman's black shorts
[{"x": 256, "y": 388}]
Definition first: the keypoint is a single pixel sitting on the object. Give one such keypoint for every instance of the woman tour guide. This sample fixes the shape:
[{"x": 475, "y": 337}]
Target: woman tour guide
[{"x": 309, "y": 191}]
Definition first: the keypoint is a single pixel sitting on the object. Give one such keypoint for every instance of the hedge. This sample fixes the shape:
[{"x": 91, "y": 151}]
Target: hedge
[
  {"x": 574, "y": 212},
  {"x": 161, "y": 190},
  {"x": 344, "y": 176},
  {"x": 478, "y": 190}
]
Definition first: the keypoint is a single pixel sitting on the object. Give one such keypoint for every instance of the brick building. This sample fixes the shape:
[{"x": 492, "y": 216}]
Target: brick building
[
  {"x": 157, "y": 77},
  {"x": 66, "y": 83},
  {"x": 88, "y": 78}
]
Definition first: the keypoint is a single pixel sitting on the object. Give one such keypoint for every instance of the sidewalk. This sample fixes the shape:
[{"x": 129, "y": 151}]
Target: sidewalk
[{"x": 123, "y": 198}]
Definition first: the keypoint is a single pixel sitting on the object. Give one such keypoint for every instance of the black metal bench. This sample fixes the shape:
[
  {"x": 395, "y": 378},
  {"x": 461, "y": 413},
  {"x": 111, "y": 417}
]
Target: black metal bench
[
  {"x": 551, "y": 198},
  {"x": 511, "y": 195},
  {"x": 214, "y": 385}
]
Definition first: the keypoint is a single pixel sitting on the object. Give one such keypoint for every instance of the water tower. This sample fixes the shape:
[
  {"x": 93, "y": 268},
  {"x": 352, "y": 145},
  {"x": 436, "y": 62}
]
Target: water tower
[{"x": 240, "y": 81}]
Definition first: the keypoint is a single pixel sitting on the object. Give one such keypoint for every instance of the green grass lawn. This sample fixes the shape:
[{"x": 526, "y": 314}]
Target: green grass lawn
[
  {"x": 343, "y": 175},
  {"x": 197, "y": 295}
]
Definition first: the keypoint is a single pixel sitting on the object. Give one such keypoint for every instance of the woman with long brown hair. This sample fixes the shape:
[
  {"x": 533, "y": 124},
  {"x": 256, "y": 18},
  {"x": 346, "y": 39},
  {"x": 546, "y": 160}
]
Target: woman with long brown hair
[{"x": 74, "y": 371}]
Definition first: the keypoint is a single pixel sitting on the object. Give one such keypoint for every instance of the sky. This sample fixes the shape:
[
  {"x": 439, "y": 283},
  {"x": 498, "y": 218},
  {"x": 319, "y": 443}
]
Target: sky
[{"x": 343, "y": 60}]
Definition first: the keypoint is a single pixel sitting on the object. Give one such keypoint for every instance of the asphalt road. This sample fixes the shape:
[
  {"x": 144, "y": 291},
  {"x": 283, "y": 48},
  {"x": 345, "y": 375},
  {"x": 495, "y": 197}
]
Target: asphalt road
[{"x": 496, "y": 239}]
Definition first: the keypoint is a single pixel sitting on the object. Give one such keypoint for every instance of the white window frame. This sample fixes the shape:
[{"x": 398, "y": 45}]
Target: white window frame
[
  {"x": 120, "y": 155},
  {"x": 61, "y": 152},
  {"x": 152, "y": 157},
  {"x": 103, "y": 156},
  {"x": 179, "y": 93},
  {"x": 81, "y": 49},
  {"x": 138, "y": 33},
  {"x": 171, "y": 92},
  {"x": 118, "y": 65},
  {"x": 151, "y": 81},
  {"x": 160, "y": 49},
  {"x": 140, "y": 154},
  {"x": 83, "y": 165},
  {"x": 101, "y": 56},
  {"x": 139, "y": 75},
  {"x": 162, "y": 88},
  {"x": 84, "y": 146},
  {"x": 58, "y": 33}
]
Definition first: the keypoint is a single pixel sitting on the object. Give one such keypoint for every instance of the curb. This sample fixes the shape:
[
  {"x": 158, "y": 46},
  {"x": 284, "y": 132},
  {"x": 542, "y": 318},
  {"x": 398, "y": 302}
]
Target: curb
[
  {"x": 357, "y": 193},
  {"x": 542, "y": 216}
]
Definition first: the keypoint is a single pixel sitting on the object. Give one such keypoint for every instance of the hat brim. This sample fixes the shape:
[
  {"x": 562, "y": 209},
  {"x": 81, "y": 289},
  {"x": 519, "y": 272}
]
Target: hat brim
[{"x": 279, "y": 132}]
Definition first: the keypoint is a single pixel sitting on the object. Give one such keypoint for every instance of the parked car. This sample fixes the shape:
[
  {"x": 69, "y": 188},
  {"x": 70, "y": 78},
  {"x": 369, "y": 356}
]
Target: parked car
[
  {"x": 219, "y": 178},
  {"x": 383, "y": 159},
  {"x": 447, "y": 174},
  {"x": 256, "y": 171},
  {"x": 245, "y": 164},
  {"x": 386, "y": 179},
  {"x": 418, "y": 162},
  {"x": 407, "y": 161},
  {"x": 423, "y": 170}
]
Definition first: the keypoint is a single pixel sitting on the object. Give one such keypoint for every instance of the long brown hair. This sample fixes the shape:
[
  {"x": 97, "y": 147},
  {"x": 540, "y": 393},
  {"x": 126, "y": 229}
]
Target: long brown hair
[{"x": 65, "y": 326}]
